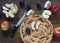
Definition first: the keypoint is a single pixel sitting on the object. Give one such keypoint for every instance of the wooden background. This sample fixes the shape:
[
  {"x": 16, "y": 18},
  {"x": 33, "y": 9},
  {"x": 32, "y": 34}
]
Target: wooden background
[{"x": 55, "y": 19}]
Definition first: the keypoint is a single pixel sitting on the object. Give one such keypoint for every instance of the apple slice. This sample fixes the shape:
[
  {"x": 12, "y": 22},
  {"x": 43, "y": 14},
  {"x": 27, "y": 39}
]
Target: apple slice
[
  {"x": 5, "y": 25},
  {"x": 57, "y": 32}
]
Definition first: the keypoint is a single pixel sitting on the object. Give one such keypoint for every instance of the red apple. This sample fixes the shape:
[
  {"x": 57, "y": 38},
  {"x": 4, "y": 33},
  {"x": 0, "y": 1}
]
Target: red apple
[
  {"x": 55, "y": 9},
  {"x": 5, "y": 25},
  {"x": 57, "y": 32}
]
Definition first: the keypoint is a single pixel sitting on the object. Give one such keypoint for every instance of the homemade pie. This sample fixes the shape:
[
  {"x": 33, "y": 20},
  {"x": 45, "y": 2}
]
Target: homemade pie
[{"x": 36, "y": 29}]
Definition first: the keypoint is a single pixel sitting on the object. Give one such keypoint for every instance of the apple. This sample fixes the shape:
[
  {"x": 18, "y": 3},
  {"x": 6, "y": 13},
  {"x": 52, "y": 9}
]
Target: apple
[
  {"x": 55, "y": 9},
  {"x": 5, "y": 25},
  {"x": 57, "y": 32}
]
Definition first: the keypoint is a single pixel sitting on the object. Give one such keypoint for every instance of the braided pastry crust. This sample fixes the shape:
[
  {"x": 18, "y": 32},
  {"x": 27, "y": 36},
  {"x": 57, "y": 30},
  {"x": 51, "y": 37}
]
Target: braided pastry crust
[{"x": 41, "y": 30}]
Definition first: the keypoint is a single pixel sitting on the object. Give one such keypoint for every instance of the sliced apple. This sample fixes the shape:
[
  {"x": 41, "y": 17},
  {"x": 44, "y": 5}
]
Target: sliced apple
[{"x": 32, "y": 25}]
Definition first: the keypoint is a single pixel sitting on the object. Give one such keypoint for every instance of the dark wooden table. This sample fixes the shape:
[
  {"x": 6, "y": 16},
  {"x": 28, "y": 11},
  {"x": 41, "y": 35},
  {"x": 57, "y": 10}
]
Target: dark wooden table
[{"x": 55, "y": 19}]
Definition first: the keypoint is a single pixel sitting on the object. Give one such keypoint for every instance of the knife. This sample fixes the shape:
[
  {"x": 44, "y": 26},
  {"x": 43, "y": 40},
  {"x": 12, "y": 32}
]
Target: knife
[
  {"x": 15, "y": 27},
  {"x": 21, "y": 20}
]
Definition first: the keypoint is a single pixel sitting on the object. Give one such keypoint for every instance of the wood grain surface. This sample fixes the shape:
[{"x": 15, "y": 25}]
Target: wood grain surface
[{"x": 5, "y": 38}]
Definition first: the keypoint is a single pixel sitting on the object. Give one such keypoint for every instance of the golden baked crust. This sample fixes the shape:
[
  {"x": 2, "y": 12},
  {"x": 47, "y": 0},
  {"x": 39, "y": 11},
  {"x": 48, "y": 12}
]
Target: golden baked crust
[{"x": 43, "y": 33}]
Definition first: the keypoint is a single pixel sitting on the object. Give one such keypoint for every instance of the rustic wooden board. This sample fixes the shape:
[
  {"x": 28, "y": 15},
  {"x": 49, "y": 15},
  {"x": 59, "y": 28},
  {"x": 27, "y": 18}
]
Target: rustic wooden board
[{"x": 55, "y": 19}]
